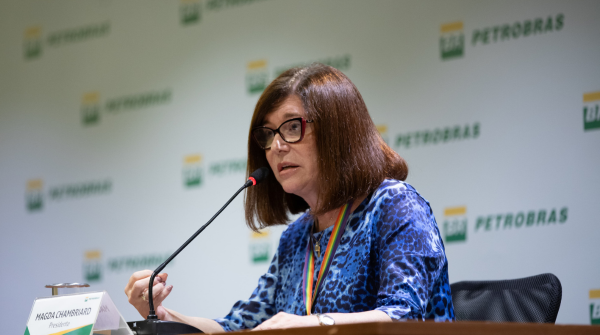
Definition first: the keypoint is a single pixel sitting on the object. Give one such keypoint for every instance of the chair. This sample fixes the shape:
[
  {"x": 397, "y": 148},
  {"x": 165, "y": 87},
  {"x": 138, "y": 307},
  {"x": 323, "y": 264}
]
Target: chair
[{"x": 531, "y": 299}]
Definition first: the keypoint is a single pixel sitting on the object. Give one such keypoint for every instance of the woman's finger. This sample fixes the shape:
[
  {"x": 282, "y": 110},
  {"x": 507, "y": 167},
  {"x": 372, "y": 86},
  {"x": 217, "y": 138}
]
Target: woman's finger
[
  {"x": 139, "y": 287},
  {"x": 163, "y": 276},
  {"x": 156, "y": 290},
  {"x": 164, "y": 293},
  {"x": 137, "y": 276}
]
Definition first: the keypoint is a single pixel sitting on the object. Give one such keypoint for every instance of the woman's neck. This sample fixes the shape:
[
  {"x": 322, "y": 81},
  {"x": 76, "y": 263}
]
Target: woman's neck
[{"x": 327, "y": 220}]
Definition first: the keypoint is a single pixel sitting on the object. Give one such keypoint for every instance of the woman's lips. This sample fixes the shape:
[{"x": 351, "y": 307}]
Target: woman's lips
[
  {"x": 286, "y": 166},
  {"x": 288, "y": 170}
]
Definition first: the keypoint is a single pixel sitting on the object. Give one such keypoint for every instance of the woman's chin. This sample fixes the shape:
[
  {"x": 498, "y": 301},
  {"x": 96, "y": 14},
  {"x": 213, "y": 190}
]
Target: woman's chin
[{"x": 290, "y": 187}]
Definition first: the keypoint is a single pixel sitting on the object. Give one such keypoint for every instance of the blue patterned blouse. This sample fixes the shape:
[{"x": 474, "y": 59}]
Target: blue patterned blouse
[{"x": 390, "y": 258}]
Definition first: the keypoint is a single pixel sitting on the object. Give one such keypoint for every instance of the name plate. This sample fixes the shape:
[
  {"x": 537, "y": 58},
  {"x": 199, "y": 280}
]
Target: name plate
[{"x": 76, "y": 314}]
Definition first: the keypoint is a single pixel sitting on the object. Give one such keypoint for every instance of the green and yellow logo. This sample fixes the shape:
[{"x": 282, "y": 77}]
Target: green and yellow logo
[
  {"x": 383, "y": 132},
  {"x": 92, "y": 266},
  {"x": 34, "y": 195},
  {"x": 452, "y": 36},
  {"x": 32, "y": 42},
  {"x": 257, "y": 72},
  {"x": 452, "y": 40},
  {"x": 190, "y": 12},
  {"x": 260, "y": 246},
  {"x": 90, "y": 108},
  {"x": 33, "y": 39},
  {"x": 595, "y": 307},
  {"x": 78, "y": 34},
  {"x": 518, "y": 220},
  {"x": 257, "y": 76},
  {"x": 455, "y": 224},
  {"x": 591, "y": 114},
  {"x": 438, "y": 136},
  {"x": 192, "y": 171}
]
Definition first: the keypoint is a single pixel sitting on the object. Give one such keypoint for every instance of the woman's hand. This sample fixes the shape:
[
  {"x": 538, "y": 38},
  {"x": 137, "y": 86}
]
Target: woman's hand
[
  {"x": 137, "y": 293},
  {"x": 284, "y": 320}
]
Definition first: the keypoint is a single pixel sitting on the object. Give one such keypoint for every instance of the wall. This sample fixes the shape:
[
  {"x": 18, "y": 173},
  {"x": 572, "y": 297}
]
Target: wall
[{"x": 123, "y": 128}]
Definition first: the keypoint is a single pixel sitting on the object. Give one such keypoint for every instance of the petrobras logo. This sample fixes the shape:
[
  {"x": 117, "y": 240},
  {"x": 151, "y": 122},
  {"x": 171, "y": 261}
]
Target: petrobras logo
[
  {"x": 452, "y": 40},
  {"x": 34, "y": 195},
  {"x": 260, "y": 245},
  {"x": 80, "y": 189},
  {"x": 455, "y": 224},
  {"x": 521, "y": 219},
  {"x": 217, "y": 5},
  {"x": 138, "y": 101},
  {"x": 591, "y": 114},
  {"x": 452, "y": 35},
  {"x": 190, "y": 12},
  {"x": 92, "y": 266},
  {"x": 193, "y": 171},
  {"x": 92, "y": 107},
  {"x": 257, "y": 76},
  {"x": 595, "y": 307},
  {"x": 95, "y": 268},
  {"x": 132, "y": 263},
  {"x": 33, "y": 41},
  {"x": 435, "y": 136},
  {"x": 455, "y": 227},
  {"x": 511, "y": 31},
  {"x": 227, "y": 167},
  {"x": 383, "y": 132}
]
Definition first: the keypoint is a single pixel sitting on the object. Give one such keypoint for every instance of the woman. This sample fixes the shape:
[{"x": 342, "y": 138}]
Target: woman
[{"x": 367, "y": 247}]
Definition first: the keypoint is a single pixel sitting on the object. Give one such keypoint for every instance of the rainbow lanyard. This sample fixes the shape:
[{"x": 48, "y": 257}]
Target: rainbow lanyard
[{"x": 310, "y": 296}]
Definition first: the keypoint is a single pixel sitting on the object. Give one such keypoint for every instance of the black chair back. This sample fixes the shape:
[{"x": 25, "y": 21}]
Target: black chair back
[{"x": 531, "y": 299}]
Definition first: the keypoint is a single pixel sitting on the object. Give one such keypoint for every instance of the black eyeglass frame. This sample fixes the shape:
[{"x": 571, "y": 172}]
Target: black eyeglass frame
[{"x": 276, "y": 131}]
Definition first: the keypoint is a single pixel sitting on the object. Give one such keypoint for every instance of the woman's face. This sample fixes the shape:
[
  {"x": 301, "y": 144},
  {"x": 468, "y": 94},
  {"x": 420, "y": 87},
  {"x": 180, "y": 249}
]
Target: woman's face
[{"x": 294, "y": 164}]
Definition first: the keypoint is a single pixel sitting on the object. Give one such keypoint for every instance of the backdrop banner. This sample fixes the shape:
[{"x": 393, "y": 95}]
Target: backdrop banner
[{"x": 123, "y": 128}]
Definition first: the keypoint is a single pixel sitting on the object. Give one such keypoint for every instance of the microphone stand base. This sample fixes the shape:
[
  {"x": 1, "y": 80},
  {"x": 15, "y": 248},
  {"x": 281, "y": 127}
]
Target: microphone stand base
[{"x": 159, "y": 327}]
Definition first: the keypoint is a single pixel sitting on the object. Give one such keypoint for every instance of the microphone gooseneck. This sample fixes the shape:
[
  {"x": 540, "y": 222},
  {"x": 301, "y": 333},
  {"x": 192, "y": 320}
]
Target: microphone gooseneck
[{"x": 254, "y": 178}]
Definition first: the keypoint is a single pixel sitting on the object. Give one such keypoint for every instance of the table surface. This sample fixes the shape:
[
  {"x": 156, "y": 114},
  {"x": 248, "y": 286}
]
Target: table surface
[{"x": 433, "y": 328}]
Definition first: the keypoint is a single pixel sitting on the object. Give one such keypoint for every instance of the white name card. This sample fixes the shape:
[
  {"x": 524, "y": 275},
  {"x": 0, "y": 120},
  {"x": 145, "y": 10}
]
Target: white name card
[{"x": 75, "y": 314}]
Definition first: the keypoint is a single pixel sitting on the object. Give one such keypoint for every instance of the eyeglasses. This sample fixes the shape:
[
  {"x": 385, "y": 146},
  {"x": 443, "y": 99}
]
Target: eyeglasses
[{"x": 291, "y": 131}]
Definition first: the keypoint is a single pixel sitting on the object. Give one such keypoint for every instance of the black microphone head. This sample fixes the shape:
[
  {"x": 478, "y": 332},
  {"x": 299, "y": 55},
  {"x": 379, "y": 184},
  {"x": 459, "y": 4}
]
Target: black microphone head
[{"x": 259, "y": 175}]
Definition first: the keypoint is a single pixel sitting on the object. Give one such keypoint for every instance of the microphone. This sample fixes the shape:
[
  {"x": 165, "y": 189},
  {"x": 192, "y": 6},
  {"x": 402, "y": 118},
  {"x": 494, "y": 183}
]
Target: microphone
[
  {"x": 152, "y": 325},
  {"x": 257, "y": 176}
]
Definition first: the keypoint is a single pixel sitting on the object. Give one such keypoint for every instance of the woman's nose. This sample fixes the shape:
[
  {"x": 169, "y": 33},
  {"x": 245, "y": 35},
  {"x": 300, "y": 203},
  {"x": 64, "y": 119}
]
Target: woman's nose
[{"x": 279, "y": 145}]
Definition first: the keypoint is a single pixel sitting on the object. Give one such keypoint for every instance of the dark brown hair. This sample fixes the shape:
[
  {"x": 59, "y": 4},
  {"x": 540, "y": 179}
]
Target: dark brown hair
[{"x": 353, "y": 160}]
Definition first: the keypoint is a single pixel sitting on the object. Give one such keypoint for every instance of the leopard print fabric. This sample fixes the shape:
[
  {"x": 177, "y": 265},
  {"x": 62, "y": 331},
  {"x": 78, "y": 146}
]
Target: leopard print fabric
[{"x": 390, "y": 258}]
